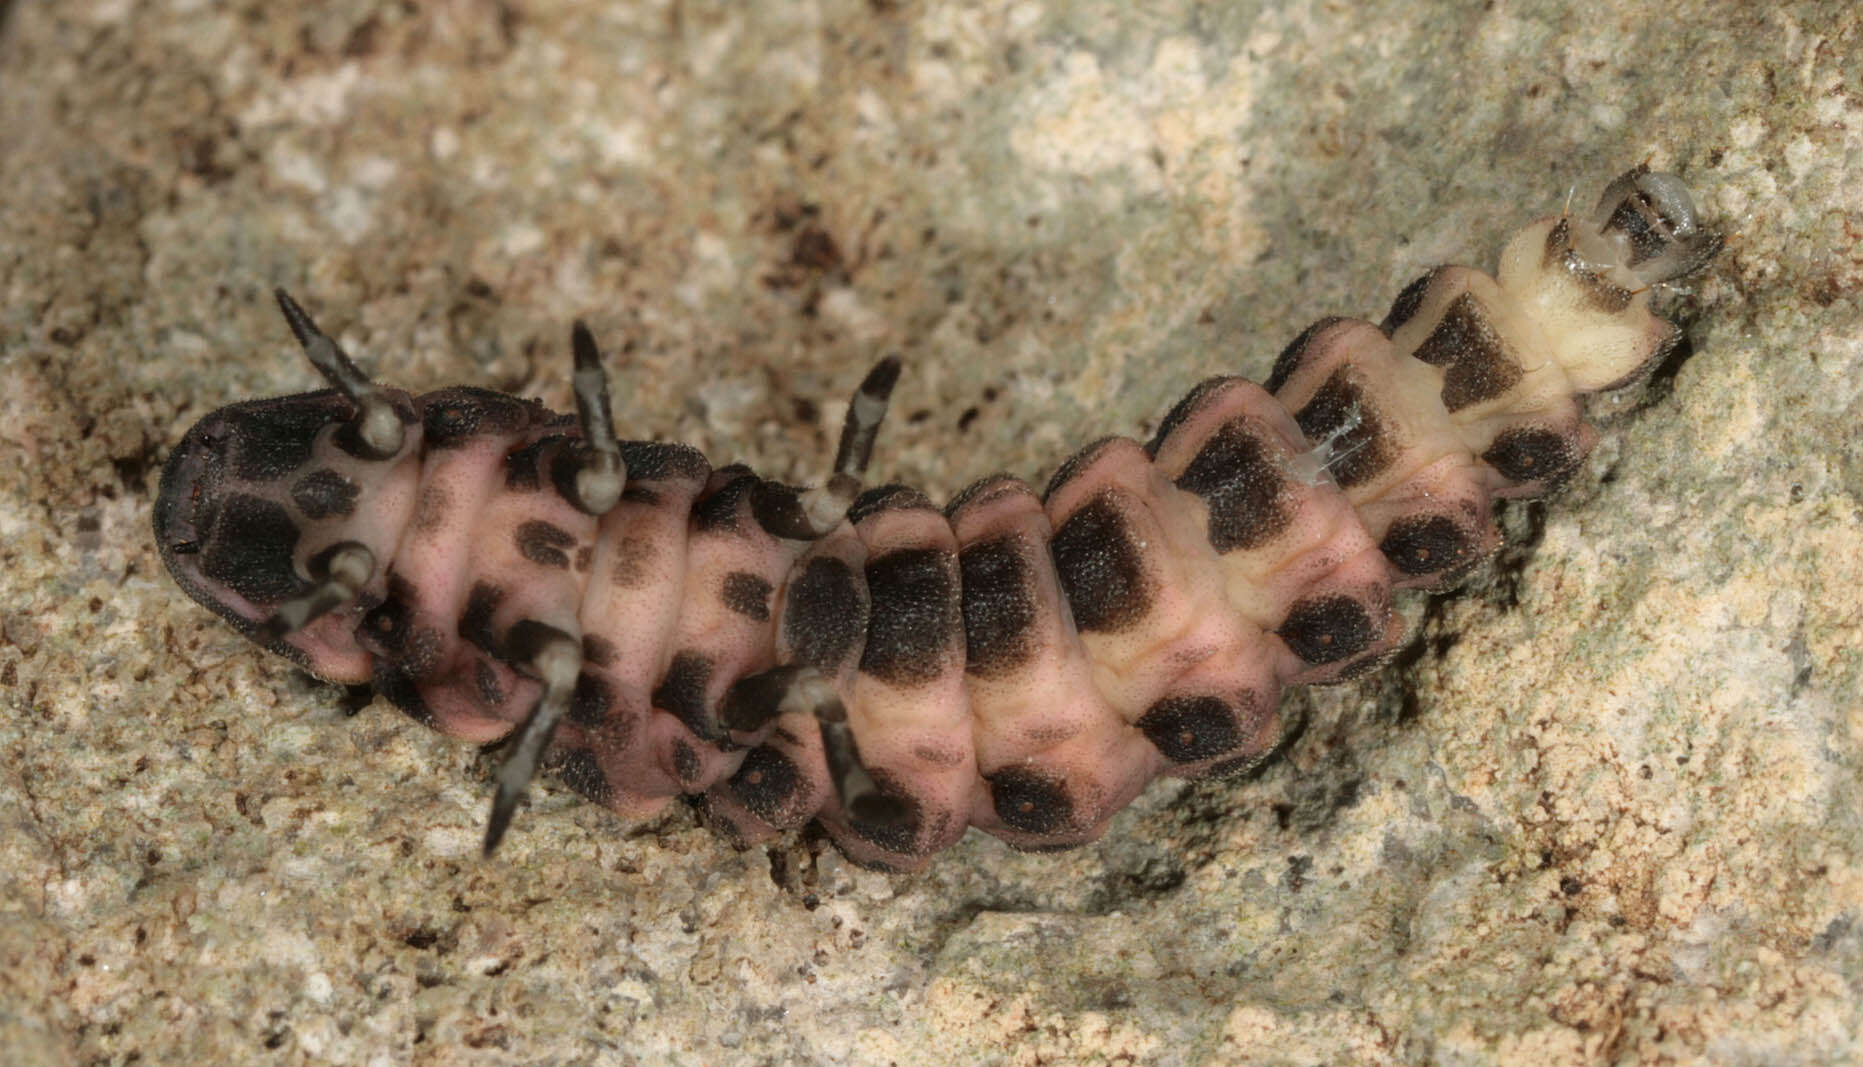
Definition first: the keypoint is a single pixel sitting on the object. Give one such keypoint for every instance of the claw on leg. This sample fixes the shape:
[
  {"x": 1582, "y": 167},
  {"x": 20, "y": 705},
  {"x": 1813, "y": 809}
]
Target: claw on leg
[
  {"x": 556, "y": 659},
  {"x": 812, "y": 513},
  {"x": 377, "y": 426},
  {"x": 340, "y": 573},
  {"x": 600, "y": 474}
]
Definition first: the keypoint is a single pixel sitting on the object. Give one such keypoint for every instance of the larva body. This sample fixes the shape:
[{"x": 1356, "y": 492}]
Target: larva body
[{"x": 1024, "y": 663}]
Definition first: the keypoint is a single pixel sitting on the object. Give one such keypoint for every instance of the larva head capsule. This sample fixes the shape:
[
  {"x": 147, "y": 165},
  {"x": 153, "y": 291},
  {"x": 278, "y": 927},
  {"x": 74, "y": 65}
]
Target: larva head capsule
[
  {"x": 1644, "y": 230},
  {"x": 280, "y": 515}
]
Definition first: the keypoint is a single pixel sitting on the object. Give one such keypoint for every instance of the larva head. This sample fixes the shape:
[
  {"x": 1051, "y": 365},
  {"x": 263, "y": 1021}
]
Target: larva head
[
  {"x": 257, "y": 499},
  {"x": 1644, "y": 231}
]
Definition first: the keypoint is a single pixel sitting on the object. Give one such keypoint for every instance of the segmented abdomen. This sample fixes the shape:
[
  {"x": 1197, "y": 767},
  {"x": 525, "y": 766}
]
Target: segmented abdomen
[{"x": 1018, "y": 662}]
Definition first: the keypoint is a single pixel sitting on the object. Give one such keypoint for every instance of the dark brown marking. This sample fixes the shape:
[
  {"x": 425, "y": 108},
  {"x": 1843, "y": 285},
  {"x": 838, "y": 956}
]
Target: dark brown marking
[
  {"x": 1428, "y": 544},
  {"x": 431, "y": 511},
  {"x": 1192, "y": 729},
  {"x": 485, "y": 678},
  {"x": 1072, "y": 466},
  {"x": 475, "y": 623},
  {"x": 1328, "y": 629},
  {"x": 898, "y": 831},
  {"x": 1295, "y": 354},
  {"x": 591, "y": 702},
  {"x": 747, "y": 594},
  {"x": 1001, "y": 606},
  {"x": 891, "y": 497},
  {"x": 452, "y": 417},
  {"x": 1182, "y": 411},
  {"x": 521, "y": 465},
  {"x": 766, "y": 783},
  {"x": 269, "y": 442},
  {"x": 543, "y": 543},
  {"x": 633, "y": 555},
  {"x": 653, "y": 461},
  {"x": 1241, "y": 482},
  {"x": 598, "y": 650},
  {"x": 1533, "y": 454},
  {"x": 581, "y": 770},
  {"x": 723, "y": 509},
  {"x": 251, "y": 548},
  {"x": 323, "y": 493},
  {"x": 1477, "y": 365},
  {"x": 1359, "y": 454},
  {"x": 1031, "y": 800},
  {"x": 685, "y": 762},
  {"x": 824, "y": 614},
  {"x": 915, "y": 619},
  {"x": 682, "y": 693},
  {"x": 1404, "y": 308},
  {"x": 1101, "y": 568}
]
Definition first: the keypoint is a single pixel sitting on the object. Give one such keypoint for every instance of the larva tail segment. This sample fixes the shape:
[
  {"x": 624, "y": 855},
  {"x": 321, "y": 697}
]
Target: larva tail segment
[
  {"x": 1023, "y": 663},
  {"x": 376, "y": 426}
]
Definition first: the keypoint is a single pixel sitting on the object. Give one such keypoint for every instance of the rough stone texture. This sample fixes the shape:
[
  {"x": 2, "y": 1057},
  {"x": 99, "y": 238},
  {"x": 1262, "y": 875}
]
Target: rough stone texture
[{"x": 1605, "y": 809}]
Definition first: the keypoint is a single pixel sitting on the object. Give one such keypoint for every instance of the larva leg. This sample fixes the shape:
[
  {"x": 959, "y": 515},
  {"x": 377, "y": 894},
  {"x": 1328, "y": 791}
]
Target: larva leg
[
  {"x": 599, "y": 475},
  {"x": 556, "y": 659},
  {"x": 376, "y": 426},
  {"x": 813, "y": 513},
  {"x": 340, "y": 573}
]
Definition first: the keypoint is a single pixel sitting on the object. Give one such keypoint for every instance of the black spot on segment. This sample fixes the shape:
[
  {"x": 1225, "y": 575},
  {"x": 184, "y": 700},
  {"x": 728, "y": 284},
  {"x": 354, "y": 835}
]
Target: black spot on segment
[
  {"x": 1427, "y": 545},
  {"x": 682, "y": 693},
  {"x": 685, "y": 762},
  {"x": 1476, "y": 361},
  {"x": 1000, "y": 605},
  {"x": 323, "y": 493},
  {"x": 1191, "y": 729},
  {"x": 1294, "y": 354},
  {"x": 272, "y": 440},
  {"x": 913, "y": 627},
  {"x": 475, "y": 623},
  {"x": 747, "y": 594},
  {"x": 1242, "y": 484},
  {"x": 1404, "y": 308},
  {"x": 892, "y": 497},
  {"x": 652, "y": 461},
  {"x": 766, "y": 782},
  {"x": 581, "y": 770},
  {"x": 824, "y": 614},
  {"x": 1533, "y": 454},
  {"x": 452, "y": 417},
  {"x": 543, "y": 543},
  {"x": 1328, "y": 629},
  {"x": 1102, "y": 569},
  {"x": 1359, "y": 454},
  {"x": 590, "y": 703},
  {"x": 1032, "y": 801},
  {"x": 598, "y": 650},
  {"x": 251, "y": 548}
]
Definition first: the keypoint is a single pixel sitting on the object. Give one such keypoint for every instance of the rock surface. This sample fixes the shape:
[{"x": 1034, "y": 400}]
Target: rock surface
[{"x": 1605, "y": 809}]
